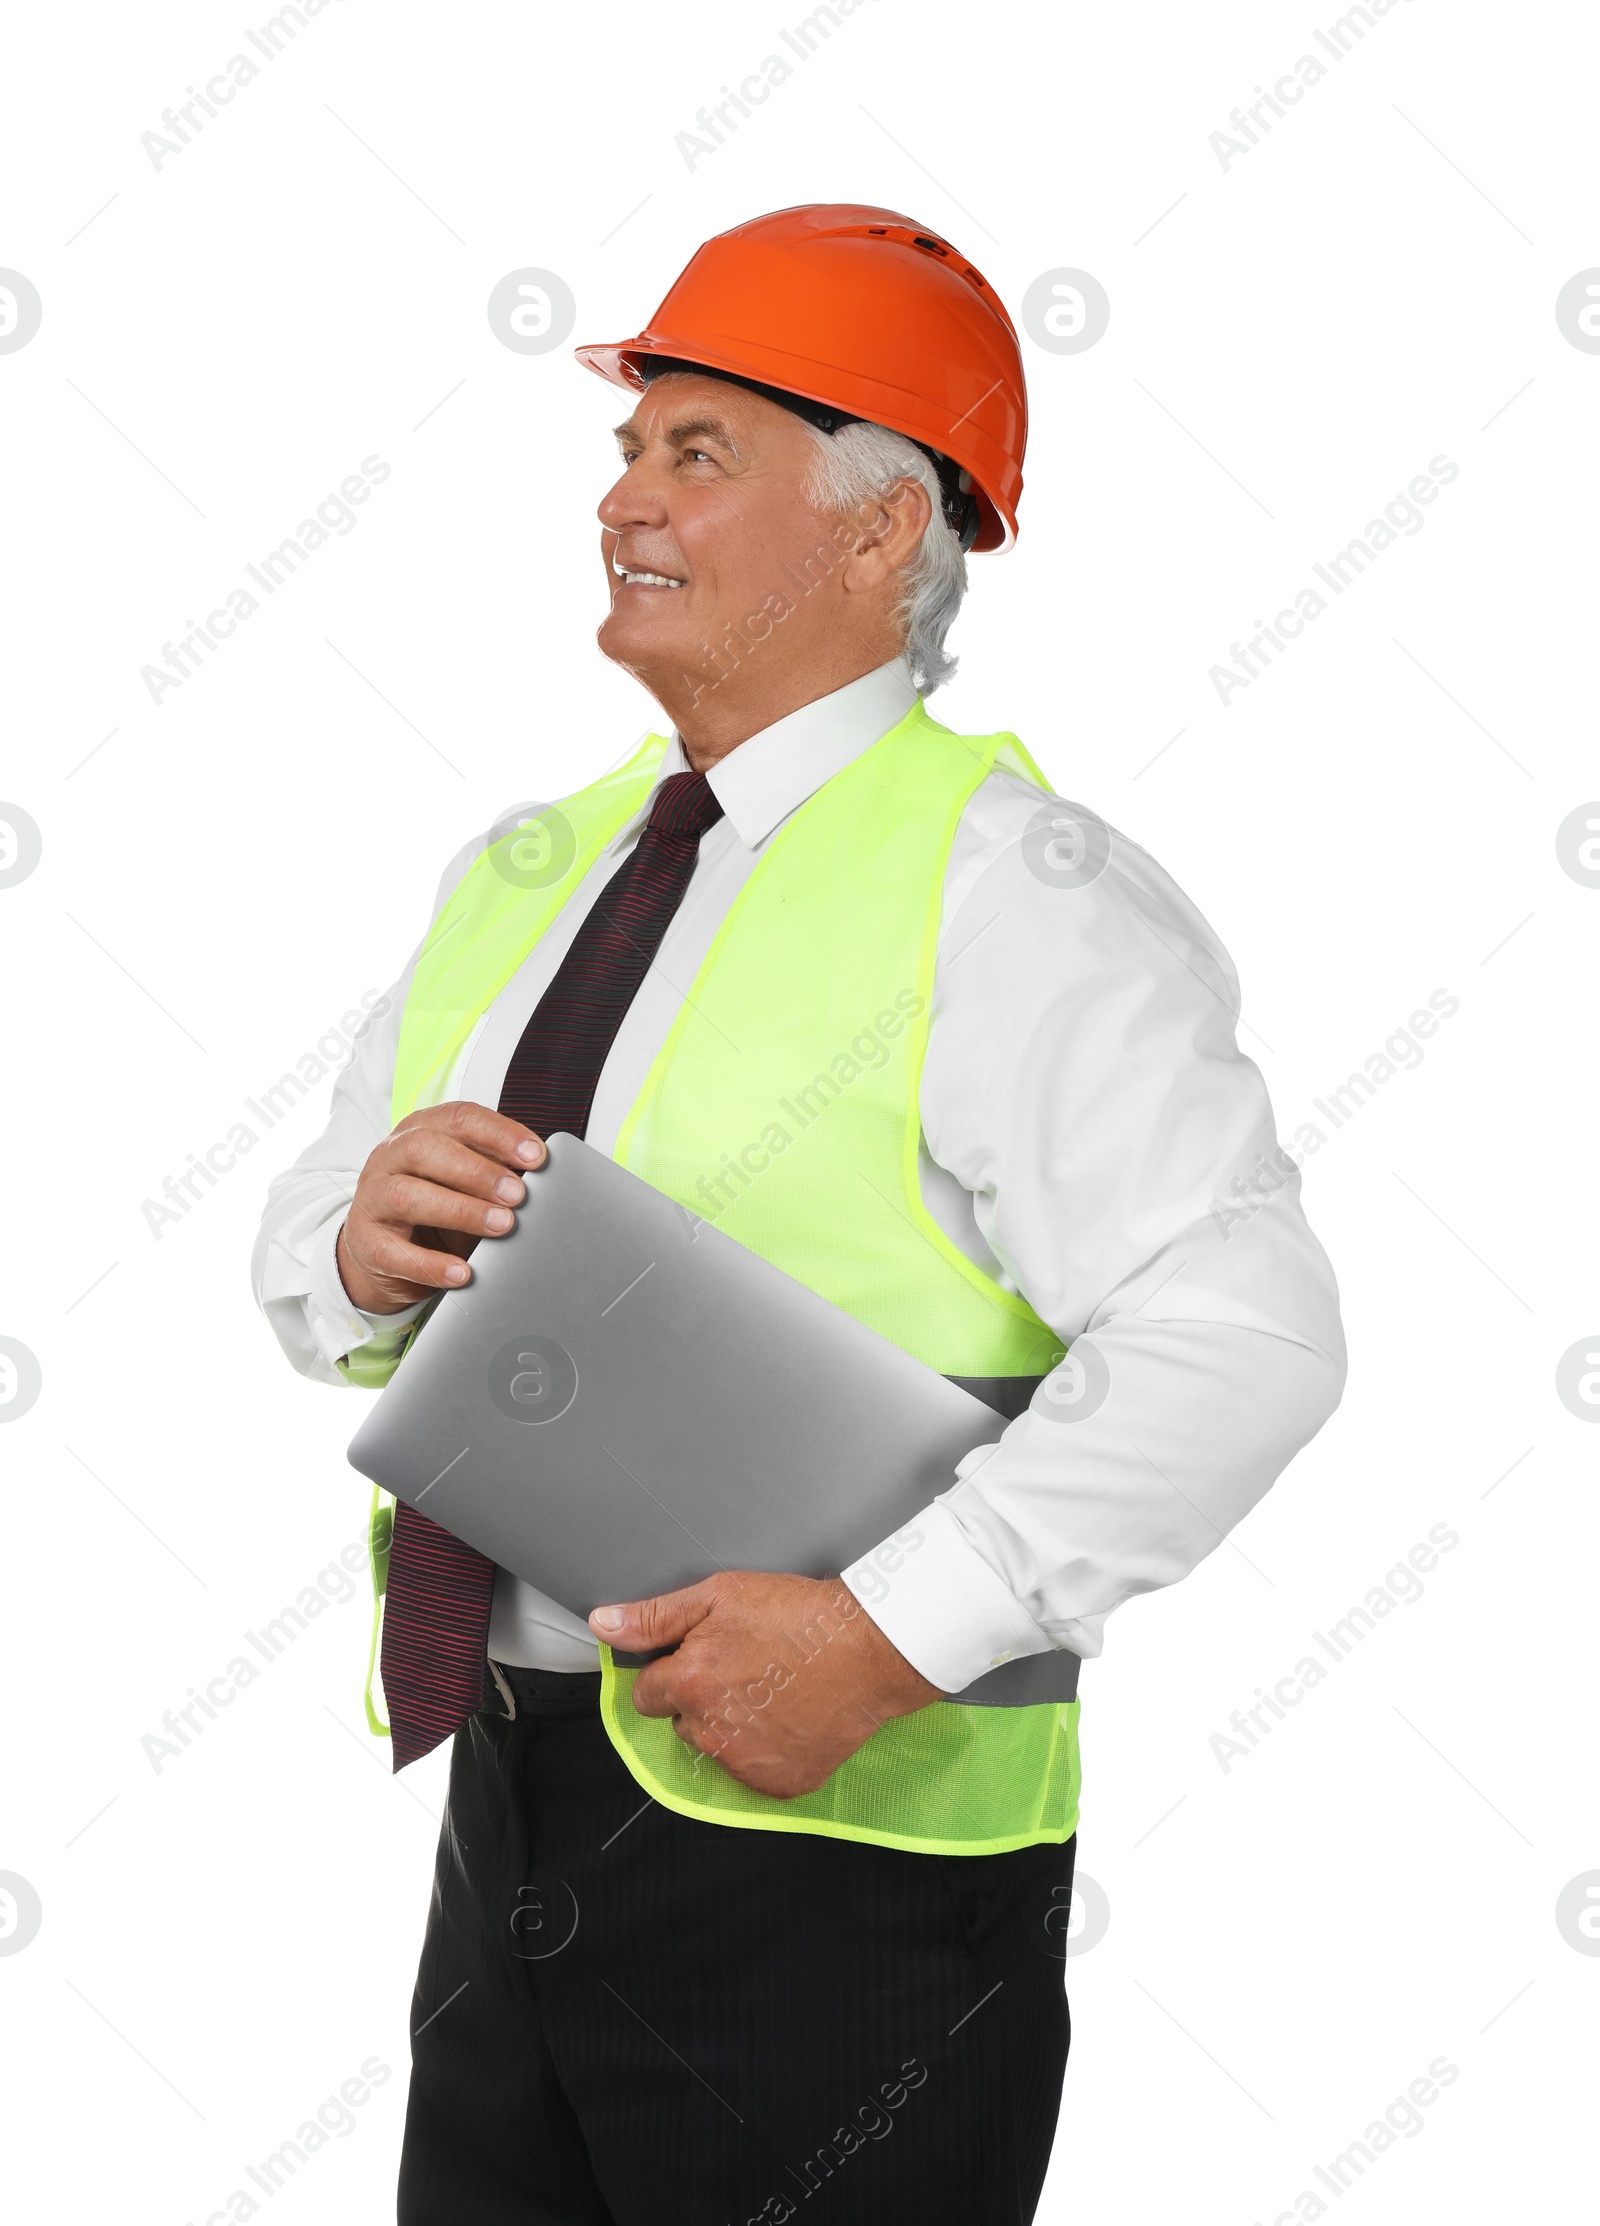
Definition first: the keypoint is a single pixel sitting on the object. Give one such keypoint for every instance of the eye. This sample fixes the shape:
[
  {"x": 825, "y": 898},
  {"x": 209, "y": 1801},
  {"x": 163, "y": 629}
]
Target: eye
[{"x": 704, "y": 454}]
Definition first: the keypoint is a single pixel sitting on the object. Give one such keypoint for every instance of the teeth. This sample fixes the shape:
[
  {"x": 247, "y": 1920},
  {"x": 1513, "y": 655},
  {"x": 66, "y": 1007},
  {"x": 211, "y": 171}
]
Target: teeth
[{"x": 643, "y": 579}]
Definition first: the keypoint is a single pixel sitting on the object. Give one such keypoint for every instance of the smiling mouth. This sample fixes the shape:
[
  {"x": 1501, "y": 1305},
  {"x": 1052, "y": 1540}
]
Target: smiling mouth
[{"x": 642, "y": 579}]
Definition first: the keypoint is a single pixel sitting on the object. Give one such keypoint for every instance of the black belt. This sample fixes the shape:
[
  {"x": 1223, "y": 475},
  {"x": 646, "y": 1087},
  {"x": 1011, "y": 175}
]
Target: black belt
[{"x": 1032, "y": 1680}]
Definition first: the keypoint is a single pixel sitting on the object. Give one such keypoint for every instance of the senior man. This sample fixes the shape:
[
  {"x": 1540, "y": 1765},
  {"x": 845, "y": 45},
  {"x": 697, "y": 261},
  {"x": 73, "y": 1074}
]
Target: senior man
[{"x": 776, "y": 1923}]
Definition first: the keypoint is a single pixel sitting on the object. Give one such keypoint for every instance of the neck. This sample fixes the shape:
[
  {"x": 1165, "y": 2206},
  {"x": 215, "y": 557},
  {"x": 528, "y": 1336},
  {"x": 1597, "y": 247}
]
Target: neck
[{"x": 712, "y": 721}]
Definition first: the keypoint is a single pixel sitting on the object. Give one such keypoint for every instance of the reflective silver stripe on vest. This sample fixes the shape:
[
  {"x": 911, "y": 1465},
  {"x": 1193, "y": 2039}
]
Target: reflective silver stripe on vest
[
  {"x": 1008, "y": 1395},
  {"x": 1028, "y": 1682},
  {"x": 1034, "y": 1679}
]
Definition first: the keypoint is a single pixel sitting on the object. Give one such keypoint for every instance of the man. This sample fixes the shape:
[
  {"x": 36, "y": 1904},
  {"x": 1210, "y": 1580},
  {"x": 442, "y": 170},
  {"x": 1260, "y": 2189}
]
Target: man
[{"x": 774, "y": 1925}]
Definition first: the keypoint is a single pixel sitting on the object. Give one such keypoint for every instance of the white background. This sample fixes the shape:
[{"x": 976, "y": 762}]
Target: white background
[{"x": 1292, "y": 1941}]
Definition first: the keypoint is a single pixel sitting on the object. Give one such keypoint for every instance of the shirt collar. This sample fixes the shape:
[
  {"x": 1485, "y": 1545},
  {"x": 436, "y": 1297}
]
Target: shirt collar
[{"x": 765, "y": 778}]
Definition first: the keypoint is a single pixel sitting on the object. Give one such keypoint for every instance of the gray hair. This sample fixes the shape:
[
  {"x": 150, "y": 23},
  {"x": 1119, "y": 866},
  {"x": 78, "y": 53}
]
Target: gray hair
[{"x": 861, "y": 461}]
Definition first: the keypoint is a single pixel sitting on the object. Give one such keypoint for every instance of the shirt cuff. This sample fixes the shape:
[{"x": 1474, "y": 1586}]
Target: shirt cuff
[
  {"x": 338, "y": 1325},
  {"x": 933, "y": 1595}
]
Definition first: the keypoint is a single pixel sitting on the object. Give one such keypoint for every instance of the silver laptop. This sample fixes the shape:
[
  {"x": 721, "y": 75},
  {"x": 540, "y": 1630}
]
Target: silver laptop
[{"x": 623, "y": 1401}]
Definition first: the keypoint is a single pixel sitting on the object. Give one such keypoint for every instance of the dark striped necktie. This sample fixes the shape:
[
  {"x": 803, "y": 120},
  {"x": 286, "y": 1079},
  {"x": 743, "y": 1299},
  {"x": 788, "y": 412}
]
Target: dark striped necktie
[{"x": 436, "y": 1608}]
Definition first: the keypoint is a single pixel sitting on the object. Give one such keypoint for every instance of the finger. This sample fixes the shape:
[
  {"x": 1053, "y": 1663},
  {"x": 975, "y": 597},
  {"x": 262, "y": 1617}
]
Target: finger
[
  {"x": 406, "y": 1202},
  {"x": 640, "y": 1625},
  {"x": 484, "y": 1129},
  {"x": 658, "y": 1690},
  {"x": 383, "y": 1253},
  {"x": 456, "y": 1166},
  {"x": 654, "y": 1695}
]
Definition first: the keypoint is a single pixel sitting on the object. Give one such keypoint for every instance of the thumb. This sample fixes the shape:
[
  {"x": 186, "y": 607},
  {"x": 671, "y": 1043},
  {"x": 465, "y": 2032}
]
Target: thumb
[{"x": 639, "y": 1626}]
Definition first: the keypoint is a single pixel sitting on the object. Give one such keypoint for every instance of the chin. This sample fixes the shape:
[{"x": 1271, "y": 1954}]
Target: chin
[
  {"x": 646, "y": 662},
  {"x": 628, "y": 637}
]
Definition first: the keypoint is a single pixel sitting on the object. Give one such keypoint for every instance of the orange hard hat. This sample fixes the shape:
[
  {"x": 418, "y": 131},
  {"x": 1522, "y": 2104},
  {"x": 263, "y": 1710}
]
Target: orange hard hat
[{"x": 862, "y": 311}]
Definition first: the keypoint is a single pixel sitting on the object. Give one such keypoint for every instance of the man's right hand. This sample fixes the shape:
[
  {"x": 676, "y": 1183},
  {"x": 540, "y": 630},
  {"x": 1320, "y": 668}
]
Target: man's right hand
[{"x": 446, "y": 1177}]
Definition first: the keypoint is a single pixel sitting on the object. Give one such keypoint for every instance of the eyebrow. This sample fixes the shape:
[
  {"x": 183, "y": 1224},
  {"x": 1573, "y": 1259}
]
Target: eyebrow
[{"x": 688, "y": 428}]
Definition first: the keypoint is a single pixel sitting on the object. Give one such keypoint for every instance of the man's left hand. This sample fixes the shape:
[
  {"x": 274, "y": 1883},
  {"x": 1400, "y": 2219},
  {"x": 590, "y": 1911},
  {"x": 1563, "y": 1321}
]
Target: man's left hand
[{"x": 781, "y": 1678}]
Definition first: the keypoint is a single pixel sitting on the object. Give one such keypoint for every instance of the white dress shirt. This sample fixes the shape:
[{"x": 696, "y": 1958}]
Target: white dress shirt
[{"x": 1085, "y": 1111}]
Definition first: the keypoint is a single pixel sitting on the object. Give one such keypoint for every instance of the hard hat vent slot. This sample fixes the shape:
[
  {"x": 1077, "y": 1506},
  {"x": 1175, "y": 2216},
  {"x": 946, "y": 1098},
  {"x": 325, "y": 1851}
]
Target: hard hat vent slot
[{"x": 920, "y": 239}]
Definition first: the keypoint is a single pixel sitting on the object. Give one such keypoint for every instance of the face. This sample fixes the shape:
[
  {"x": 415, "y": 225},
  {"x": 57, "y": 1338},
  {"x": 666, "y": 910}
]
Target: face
[{"x": 723, "y": 578}]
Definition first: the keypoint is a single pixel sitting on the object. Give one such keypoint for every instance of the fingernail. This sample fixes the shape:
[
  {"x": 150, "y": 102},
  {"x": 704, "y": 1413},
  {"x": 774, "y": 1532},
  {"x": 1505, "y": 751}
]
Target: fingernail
[
  {"x": 457, "y": 1274},
  {"x": 608, "y": 1619},
  {"x": 497, "y": 1218},
  {"x": 532, "y": 1151},
  {"x": 510, "y": 1189}
]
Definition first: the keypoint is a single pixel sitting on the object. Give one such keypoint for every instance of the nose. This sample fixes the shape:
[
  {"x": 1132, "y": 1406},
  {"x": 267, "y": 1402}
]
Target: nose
[{"x": 638, "y": 498}]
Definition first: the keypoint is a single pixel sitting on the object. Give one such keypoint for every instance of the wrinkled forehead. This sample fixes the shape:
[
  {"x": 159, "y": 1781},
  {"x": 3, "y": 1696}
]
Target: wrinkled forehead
[{"x": 678, "y": 406}]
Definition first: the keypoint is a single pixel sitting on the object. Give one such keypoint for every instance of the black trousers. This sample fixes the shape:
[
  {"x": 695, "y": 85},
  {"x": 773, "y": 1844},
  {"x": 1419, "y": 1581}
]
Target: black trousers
[{"x": 626, "y": 2016}]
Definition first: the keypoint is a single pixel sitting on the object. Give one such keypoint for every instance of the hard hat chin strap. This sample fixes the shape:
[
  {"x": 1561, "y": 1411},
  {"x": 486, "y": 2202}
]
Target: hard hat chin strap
[{"x": 958, "y": 499}]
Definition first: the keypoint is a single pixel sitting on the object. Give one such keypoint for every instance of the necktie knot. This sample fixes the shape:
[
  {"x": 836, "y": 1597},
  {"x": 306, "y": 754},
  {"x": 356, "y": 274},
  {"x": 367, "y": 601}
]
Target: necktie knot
[{"x": 684, "y": 805}]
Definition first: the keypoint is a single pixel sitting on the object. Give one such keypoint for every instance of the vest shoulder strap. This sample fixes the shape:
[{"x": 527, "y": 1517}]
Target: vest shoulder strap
[{"x": 499, "y": 909}]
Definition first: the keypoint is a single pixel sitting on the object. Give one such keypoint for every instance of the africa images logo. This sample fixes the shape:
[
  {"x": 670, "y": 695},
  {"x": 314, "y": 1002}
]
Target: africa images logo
[{"x": 533, "y": 1379}]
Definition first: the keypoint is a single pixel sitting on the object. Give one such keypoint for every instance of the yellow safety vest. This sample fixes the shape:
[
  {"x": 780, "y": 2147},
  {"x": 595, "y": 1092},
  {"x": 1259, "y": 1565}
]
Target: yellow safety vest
[{"x": 782, "y": 1107}]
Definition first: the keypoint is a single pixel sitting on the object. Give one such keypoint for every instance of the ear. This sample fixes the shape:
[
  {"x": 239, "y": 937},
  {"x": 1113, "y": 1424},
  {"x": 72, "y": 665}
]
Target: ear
[{"x": 889, "y": 533}]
